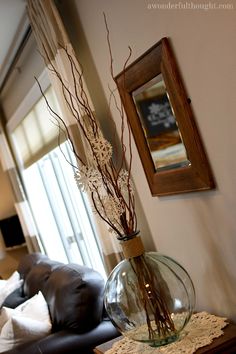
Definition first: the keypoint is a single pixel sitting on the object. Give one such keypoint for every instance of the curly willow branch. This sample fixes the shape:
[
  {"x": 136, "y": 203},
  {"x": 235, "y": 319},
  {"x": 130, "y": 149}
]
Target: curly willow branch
[{"x": 125, "y": 224}]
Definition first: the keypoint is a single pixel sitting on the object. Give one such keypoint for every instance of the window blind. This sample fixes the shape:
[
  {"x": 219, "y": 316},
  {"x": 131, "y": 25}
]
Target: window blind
[{"x": 38, "y": 132}]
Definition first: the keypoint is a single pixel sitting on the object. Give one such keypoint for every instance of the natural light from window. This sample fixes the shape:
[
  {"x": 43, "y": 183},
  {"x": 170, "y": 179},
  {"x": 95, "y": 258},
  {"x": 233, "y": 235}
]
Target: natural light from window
[{"x": 61, "y": 211}]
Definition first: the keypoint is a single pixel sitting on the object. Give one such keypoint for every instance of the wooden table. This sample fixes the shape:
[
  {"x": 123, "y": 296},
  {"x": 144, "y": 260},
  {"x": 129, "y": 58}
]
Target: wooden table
[{"x": 225, "y": 344}]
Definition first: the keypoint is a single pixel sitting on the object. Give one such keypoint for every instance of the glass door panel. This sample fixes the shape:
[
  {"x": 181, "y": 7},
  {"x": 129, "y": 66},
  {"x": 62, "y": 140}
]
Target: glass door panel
[{"x": 61, "y": 210}]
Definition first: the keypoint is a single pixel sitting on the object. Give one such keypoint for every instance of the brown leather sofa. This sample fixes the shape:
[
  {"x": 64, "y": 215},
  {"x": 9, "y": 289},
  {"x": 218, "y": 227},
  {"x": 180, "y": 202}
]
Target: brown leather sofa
[{"x": 74, "y": 295}]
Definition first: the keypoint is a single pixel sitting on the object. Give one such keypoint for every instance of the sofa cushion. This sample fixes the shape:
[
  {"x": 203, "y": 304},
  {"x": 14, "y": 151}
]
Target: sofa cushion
[
  {"x": 16, "y": 298},
  {"x": 74, "y": 295},
  {"x": 27, "y": 262},
  {"x": 37, "y": 277}
]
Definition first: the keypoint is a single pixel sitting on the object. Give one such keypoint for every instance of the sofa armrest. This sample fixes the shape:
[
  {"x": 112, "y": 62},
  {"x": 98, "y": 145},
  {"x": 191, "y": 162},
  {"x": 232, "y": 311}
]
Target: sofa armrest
[{"x": 67, "y": 342}]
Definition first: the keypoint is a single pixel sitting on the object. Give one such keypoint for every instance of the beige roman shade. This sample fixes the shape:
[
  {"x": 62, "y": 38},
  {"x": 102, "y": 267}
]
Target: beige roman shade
[{"x": 38, "y": 132}]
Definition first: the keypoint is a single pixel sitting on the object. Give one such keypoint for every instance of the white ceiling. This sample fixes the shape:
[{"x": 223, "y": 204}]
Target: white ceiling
[{"x": 13, "y": 24}]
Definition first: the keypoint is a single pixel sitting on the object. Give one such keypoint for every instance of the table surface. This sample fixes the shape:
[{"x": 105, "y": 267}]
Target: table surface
[{"x": 225, "y": 344}]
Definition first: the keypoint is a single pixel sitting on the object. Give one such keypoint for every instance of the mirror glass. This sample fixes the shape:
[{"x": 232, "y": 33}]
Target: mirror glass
[{"x": 159, "y": 125}]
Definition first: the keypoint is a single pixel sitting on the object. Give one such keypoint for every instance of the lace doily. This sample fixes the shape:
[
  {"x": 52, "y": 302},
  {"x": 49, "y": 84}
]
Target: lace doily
[{"x": 200, "y": 331}]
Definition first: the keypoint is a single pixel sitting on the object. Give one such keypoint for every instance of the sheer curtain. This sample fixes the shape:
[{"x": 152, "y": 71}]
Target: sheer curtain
[{"x": 51, "y": 38}]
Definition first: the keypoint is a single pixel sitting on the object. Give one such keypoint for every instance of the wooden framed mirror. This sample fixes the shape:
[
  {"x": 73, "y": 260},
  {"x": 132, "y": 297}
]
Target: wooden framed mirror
[{"x": 163, "y": 125}]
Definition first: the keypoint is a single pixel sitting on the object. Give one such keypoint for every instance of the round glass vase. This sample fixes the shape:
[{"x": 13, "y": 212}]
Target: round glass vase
[{"x": 149, "y": 298}]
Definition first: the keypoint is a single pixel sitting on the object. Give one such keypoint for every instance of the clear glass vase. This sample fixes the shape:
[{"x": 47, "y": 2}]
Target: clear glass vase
[{"x": 150, "y": 298}]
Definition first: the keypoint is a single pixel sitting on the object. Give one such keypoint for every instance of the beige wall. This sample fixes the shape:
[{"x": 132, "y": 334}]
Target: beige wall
[{"x": 197, "y": 229}]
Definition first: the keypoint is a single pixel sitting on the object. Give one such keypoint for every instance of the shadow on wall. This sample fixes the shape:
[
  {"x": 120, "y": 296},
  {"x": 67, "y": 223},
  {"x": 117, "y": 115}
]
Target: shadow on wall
[{"x": 218, "y": 278}]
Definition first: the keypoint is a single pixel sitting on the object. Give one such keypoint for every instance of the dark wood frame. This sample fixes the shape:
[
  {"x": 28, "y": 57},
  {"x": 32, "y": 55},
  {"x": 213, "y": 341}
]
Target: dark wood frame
[{"x": 197, "y": 176}]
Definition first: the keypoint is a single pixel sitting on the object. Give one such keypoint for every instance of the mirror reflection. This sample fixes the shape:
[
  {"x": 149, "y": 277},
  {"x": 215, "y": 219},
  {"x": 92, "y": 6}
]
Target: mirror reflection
[{"x": 159, "y": 125}]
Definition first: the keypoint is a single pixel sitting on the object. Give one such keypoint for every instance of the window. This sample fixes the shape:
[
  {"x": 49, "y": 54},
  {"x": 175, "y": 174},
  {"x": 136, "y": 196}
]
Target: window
[{"x": 61, "y": 211}]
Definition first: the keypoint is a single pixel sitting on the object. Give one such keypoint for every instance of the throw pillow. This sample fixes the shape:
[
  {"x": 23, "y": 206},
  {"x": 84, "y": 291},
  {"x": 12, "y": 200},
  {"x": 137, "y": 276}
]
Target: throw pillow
[
  {"x": 9, "y": 285},
  {"x": 12, "y": 279},
  {"x": 5, "y": 315},
  {"x": 30, "y": 320}
]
